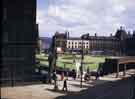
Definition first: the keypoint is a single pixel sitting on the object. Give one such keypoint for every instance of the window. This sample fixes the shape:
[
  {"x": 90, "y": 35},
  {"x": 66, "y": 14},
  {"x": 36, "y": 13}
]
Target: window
[{"x": 79, "y": 46}]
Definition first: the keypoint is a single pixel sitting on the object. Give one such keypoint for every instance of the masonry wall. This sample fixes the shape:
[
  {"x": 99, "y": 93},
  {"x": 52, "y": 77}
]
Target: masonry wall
[{"x": 19, "y": 40}]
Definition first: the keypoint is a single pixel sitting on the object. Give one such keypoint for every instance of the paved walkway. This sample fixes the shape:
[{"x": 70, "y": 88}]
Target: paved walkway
[{"x": 45, "y": 91}]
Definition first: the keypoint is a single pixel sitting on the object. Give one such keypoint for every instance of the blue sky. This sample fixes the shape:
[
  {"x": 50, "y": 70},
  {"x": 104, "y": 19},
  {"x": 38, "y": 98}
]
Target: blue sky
[{"x": 84, "y": 16}]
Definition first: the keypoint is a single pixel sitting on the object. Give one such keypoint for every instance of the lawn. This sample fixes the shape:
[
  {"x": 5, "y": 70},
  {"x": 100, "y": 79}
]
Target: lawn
[{"x": 68, "y": 61}]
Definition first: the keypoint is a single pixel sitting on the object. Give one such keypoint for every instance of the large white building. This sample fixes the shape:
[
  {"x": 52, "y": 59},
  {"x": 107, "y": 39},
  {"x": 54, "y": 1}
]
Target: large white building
[{"x": 76, "y": 43}]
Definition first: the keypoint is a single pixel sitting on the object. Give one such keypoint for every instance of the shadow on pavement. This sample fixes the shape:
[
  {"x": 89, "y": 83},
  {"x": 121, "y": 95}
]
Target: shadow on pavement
[
  {"x": 78, "y": 85},
  {"x": 62, "y": 92},
  {"x": 122, "y": 89},
  {"x": 21, "y": 84}
]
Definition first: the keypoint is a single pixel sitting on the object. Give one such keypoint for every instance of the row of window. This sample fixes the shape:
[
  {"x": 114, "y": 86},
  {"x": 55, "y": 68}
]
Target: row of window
[
  {"x": 94, "y": 45},
  {"x": 78, "y": 46},
  {"x": 78, "y": 42},
  {"x": 88, "y": 43},
  {"x": 90, "y": 47}
]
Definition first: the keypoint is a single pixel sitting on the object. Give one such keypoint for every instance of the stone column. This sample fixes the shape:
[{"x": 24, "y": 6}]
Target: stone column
[
  {"x": 117, "y": 74},
  {"x": 124, "y": 71}
]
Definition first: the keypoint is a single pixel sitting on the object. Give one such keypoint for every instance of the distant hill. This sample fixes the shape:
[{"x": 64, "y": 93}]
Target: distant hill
[
  {"x": 46, "y": 42},
  {"x": 47, "y": 39}
]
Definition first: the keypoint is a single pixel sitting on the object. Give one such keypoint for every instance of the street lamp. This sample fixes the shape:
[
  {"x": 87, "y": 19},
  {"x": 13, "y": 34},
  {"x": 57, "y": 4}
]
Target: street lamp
[
  {"x": 81, "y": 68},
  {"x": 55, "y": 58},
  {"x": 12, "y": 75}
]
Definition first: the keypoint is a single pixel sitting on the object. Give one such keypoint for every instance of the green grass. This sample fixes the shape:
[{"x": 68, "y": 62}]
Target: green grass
[
  {"x": 68, "y": 60},
  {"x": 42, "y": 58}
]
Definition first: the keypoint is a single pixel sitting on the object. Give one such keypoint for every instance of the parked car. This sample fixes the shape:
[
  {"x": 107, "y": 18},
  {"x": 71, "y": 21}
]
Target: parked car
[{"x": 41, "y": 75}]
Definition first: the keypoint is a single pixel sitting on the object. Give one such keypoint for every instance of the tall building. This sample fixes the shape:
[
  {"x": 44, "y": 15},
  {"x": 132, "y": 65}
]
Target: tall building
[
  {"x": 111, "y": 45},
  {"x": 130, "y": 45},
  {"x": 19, "y": 41},
  {"x": 61, "y": 39},
  {"x": 108, "y": 44}
]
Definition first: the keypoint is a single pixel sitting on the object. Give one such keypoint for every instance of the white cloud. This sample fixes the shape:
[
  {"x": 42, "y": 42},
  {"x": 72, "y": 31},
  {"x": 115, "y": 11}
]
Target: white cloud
[
  {"x": 83, "y": 16},
  {"x": 40, "y": 16}
]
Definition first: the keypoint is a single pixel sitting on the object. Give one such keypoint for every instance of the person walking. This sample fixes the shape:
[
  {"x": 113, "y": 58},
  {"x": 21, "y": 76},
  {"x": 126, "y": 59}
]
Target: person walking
[
  {"x": 54, "y": 75},
  {"x": 74, "y": 74},
  {"x": 55, "y": 80},
  {"x": 65, "y": 85},
  {"x": 97, "y": 74},
  {"x": 88, "y": 72}
]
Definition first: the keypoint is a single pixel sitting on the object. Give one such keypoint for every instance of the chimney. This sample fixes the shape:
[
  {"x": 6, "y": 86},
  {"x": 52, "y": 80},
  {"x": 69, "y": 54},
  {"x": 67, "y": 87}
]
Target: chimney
[
  {"x": 66, "y": 34},
  {"x": 133, "y": 33},
  {"x": 111, "y": 35},
  {"x": 121, "y": 28},
  {"x": 129, "y": 33},
  {"x": 56, "y": 33},
  {"x": 95, "y": 34}
]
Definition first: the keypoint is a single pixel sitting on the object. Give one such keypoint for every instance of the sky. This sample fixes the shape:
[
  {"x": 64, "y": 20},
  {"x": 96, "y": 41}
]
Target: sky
[{"x": 85, "y": 16}]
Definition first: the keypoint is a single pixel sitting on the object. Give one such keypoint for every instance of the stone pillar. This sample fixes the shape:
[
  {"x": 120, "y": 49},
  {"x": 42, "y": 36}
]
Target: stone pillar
[
  {"x": 117, "y": 74},
  {"x": 124, "y": 71}
]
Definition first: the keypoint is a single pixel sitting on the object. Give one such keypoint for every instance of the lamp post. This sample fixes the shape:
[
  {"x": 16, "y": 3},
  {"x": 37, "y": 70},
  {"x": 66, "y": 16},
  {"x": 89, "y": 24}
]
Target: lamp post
[
  {"x": 81, "y": 68},
  {"x": 55, "y": 58},
  {"x": 12, "y": 75}
]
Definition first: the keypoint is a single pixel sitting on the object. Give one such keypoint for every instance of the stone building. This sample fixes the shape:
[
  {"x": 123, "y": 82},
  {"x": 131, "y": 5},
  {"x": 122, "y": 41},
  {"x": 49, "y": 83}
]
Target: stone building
[
  {"x": 19, "y": 40},
  {"x": 75, "y": 44},
  {"x": 130, "y": 45},
  {"x": 112, "y": 45},
  {"x": 102, "y": 43},
  {"x": 61, "y": 39}
]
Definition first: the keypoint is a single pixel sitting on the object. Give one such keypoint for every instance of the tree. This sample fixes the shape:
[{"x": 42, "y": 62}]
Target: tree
[{"x": 52, "y": 58}]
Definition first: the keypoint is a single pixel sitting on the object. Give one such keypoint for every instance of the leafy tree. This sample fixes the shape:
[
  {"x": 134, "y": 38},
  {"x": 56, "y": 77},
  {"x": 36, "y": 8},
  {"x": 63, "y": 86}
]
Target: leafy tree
[{"x": 52, "y": 57}]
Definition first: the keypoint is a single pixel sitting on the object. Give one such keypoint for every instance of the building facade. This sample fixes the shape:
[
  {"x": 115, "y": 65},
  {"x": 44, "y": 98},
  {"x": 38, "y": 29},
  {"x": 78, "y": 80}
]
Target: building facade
[
  {"x": 60, "y": 40},
  {"x": 75, "y": 44},
  {"x": 108, "y": 44},
  {"x": 113, "y": 44},
  {"x": 130, "y": 45},
  {"x": 19, "y": 40}
]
